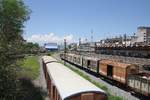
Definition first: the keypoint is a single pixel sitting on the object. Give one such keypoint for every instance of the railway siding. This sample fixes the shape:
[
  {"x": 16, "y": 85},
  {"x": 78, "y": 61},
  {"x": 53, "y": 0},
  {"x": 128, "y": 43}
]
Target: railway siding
[
  {"x": 111, "y": 88},
  {"x": 114, "y": 92}
]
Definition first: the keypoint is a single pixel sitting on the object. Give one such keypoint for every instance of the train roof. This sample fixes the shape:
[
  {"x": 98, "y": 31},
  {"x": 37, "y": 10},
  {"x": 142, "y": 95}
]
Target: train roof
[
  {"x": 143, "y": 75},
  {"x": 91, "y": 58},
  {"x": 116, "y": 63},
  {"x": 71, "y": 54},
  {"x": 47, "y": 59},
  {"x": 68, "y": 82}
]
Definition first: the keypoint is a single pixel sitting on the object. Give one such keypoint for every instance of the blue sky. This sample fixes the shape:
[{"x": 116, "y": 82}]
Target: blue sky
[{"x": 76, "y": 18}]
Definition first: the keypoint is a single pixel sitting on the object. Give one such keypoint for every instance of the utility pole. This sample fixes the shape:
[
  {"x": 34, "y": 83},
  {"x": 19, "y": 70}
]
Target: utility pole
[
  {"x": 65, "y": 50},
  {"x": 125, "y": 39},
  {"x": 79, "y": 45},
  {"x": 91, "y": 42}
]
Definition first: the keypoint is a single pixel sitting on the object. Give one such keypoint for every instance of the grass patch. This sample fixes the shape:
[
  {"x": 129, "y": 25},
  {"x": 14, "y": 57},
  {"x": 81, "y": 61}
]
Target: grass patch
[
  {"x": 101, "y": 86},
  {"x": 112, "y": 97},
  {"x": 30, "y": 67},
  {"x": 51, "y": 53}
]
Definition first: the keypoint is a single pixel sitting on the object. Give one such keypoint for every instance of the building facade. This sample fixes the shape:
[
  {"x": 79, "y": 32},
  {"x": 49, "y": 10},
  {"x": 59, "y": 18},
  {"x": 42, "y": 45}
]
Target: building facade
[
  {"x": 143, "y": 35},
  {"x": 51, "y": 46}
]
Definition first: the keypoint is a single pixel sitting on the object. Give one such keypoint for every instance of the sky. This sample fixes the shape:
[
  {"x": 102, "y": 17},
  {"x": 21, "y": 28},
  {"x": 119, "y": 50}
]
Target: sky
[{"x": 54, "y": 20}]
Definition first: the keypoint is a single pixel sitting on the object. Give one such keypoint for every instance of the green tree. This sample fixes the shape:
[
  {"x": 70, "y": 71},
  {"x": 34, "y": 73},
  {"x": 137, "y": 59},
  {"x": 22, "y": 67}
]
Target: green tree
[
  {"x": 13, "y": 13},
  {"x": 30, "y": 48}
]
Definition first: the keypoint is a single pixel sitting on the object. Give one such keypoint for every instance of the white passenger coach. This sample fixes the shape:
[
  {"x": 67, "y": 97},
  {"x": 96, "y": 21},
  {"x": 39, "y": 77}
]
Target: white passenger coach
[{"x": 64, "y": 84}]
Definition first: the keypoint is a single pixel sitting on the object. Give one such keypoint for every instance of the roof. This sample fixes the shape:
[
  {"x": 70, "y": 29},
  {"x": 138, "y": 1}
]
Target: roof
[
  {"x": 47, "y": 59},
  {"x": 143, "y": 27},
  {"x": 115, "y": 63},
  {"x": 76, "y": 55},
  {"x": 143, "y": 75},
  {"x": 91, "y": 58},
  {"x": 70, "y": 54},
  {"x": 51, "y": 46},
  {"x": 68, "y": 83}
]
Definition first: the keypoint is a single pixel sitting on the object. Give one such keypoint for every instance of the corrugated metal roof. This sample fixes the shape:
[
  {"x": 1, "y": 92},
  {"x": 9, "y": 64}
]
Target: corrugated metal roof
[
  {"x": 68, "y": 82},
  {"x": 70, "y": 54},
  {"x": 91, "y": 58},
  {"x": 115, "y": 63}
]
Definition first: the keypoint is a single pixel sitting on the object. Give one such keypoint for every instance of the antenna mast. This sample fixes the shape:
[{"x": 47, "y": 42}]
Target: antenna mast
[{"x": 92, "y": 35}]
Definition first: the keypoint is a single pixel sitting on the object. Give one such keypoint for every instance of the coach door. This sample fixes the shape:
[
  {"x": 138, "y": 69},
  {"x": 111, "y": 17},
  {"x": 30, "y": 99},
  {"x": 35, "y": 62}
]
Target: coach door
[
  {"x": 88, "y": 63},
  {"x": 109, "y": 71}
]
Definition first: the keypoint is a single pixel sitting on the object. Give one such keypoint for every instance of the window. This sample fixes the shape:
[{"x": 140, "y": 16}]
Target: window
[{"x": 53, "y": 91}]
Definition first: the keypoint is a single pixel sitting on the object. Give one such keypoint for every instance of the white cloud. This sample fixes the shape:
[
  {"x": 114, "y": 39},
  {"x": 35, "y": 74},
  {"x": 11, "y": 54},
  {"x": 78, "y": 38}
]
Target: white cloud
[{"x": 51, "y": 37}]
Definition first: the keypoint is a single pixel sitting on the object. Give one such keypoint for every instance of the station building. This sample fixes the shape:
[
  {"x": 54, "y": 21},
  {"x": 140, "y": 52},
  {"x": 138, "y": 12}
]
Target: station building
[{"x": 51, "y": 46}]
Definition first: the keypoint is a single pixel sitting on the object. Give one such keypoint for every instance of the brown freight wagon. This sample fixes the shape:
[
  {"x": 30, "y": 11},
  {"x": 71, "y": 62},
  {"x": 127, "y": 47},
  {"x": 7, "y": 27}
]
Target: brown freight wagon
[
  {"x": 117, "y": 70},
  {"x": 64, "y": 84}
]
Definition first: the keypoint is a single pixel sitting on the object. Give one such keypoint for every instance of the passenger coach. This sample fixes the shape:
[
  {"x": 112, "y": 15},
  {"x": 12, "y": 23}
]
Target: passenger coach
[
  {"x": 45, "y": 60},
  {"x": 64, "y": 84}
]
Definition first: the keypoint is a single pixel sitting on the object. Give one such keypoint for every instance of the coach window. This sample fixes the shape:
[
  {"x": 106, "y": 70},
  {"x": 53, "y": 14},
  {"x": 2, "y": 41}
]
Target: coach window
[
  {"x": 87, "y": 96},
  {"x": 53, "y": 91}
]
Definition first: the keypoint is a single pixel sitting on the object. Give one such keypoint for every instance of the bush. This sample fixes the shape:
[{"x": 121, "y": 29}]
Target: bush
[{"x": 30, "y": 91}]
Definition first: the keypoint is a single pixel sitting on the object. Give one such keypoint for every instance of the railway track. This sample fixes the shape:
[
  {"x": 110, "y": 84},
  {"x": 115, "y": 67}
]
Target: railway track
[{"x": 115, "y": 90}]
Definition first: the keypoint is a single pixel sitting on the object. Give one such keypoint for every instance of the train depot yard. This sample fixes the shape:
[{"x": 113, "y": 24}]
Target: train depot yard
[
  {"x": 74, "y": 50},
  {"x": 126, "y": 74}
]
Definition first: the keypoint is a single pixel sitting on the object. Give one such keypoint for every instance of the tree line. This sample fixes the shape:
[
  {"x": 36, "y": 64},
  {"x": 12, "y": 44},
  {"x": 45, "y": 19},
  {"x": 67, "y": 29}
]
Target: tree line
[{"x": 13, "y": 14}]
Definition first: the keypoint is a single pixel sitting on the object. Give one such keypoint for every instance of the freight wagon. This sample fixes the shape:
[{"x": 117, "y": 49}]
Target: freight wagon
[
  {"x": 117, "y": 71},
  {"x": 112, "y": 69},
  {"x": 140, "y": 83},
  {"x": 124, "y": 73},
  {"x": 64, "y": 84},
  {"x": 77, "y": 59},
  {"x": 91, "y": 64}
]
